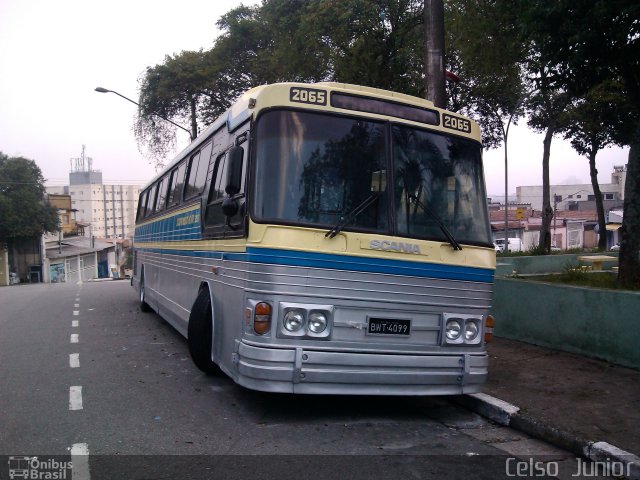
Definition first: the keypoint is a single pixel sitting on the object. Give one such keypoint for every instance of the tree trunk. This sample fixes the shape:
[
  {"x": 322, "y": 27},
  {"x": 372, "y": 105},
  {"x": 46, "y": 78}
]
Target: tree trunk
[
  {"x": 194, "y": 118},
  {"x": 629, "y": 263},
  {"x": 547, "y": 210},
  {"x": 434, "y": 52},
  {"x": 602, "y": 225}
]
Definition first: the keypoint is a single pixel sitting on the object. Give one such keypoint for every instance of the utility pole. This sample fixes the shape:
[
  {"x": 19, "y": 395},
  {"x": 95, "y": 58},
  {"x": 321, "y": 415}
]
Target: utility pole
[
  {"x": 556, "y": 199},
  {"x": 434, "y": 52}
]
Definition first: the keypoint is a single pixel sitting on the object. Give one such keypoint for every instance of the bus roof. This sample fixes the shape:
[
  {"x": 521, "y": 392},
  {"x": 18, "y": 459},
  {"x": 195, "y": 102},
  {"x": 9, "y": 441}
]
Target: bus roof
[{"x": 279, "y": 95}]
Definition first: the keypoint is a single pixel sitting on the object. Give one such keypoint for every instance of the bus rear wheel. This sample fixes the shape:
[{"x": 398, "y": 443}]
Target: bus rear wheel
[{"x": 200, "y": 334}]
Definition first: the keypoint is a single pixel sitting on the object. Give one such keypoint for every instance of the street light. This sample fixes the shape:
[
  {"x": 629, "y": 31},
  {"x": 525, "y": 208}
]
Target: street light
[{"x": 104, "y": 90}]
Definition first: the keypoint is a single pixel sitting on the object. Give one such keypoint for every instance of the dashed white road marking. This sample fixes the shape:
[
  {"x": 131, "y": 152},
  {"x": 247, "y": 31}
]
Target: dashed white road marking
[
  {"x": 75, "y": 398},
  {"x": 76, "y": 305},
  {"x": 74, "y": 323},
  {"x": 74, "y": 360},
  {"x": 76, "y": 312},
  {"x": 75, "y": 338},
  {"x": 80, "y": 461}
]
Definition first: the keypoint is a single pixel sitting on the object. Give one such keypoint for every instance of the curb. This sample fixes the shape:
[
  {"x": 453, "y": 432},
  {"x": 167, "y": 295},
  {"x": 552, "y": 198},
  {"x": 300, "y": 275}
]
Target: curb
[{"x": 508, "y": 415}]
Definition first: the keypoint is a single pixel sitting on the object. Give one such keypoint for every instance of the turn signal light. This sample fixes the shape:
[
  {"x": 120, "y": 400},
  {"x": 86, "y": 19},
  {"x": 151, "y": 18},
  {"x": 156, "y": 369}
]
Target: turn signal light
[
  {"x": 488, "y": 328},
  {"x": 262, "y": 318}
]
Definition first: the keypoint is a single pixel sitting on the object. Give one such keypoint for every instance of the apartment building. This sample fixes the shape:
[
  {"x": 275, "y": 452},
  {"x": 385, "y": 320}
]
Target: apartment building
[{"x": 106, "y": 210}]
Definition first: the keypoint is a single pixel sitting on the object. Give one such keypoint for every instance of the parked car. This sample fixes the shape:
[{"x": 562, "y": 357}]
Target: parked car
[{"x": 515, "y": 245}]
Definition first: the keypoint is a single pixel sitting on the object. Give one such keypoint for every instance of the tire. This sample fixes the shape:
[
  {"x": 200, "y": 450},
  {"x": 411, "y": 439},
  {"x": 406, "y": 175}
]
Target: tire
[
  {"x": 200, "y": 334},
  {"x": 144, "y": 306}
]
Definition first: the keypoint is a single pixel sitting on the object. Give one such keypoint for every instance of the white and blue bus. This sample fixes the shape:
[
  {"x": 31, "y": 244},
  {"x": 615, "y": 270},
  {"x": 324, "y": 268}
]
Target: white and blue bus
[{"x": 325, "y": 239}]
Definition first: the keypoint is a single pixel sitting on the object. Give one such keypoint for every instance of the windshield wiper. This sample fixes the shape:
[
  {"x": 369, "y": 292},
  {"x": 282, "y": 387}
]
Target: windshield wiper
[
  {"x": 352, "y": 215},
  {"x": 443, "y": 227}
]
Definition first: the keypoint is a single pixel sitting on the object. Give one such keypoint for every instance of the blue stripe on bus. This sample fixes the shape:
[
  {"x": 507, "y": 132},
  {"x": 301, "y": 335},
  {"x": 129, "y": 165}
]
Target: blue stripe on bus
[
  {"x": 167, "y": 229},
  {"x": 273, "y": 256}
]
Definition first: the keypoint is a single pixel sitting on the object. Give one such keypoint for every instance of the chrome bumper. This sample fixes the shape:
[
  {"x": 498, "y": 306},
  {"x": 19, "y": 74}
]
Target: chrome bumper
[{"x": 298, "y": 370}]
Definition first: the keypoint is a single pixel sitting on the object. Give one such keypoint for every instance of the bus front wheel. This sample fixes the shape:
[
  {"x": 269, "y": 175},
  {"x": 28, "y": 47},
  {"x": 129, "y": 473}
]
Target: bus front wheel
[
  {"x": 200, "y": 334},
  {"x": 144, "y": 306}
]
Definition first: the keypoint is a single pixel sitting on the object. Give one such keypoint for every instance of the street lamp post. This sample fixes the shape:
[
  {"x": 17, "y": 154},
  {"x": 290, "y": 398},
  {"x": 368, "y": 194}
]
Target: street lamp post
[{"x": 104, "y": 90}]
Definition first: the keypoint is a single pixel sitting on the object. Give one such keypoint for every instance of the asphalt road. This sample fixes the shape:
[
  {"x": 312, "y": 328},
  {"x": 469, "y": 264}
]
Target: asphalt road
[{"x": 85, "y": 373}]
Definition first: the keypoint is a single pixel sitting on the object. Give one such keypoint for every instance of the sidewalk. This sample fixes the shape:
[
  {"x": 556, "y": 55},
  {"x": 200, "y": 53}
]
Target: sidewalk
[{"x": 589, "y": 399}]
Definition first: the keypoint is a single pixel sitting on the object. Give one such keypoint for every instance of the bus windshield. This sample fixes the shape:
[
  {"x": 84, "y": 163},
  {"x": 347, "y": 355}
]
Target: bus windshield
[{"x": 331, "y": 172}]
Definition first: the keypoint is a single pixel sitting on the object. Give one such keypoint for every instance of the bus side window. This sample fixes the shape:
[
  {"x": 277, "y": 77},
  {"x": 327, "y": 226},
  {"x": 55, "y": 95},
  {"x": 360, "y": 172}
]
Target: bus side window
[
  {"x": 214, "y": 215},
  {"x": 142, "y": 205},
  {"x": 162, "y": 195},
  {"x": 190, "y": 187},
  {"x": 151, "y": 201},
  {"x": 198, "y": 172},
  {"x": 176, "y": 186}
]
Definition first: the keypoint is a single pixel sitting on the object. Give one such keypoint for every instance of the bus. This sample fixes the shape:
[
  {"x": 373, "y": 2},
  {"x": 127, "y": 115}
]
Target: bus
[{"x": 325, "y": 239}]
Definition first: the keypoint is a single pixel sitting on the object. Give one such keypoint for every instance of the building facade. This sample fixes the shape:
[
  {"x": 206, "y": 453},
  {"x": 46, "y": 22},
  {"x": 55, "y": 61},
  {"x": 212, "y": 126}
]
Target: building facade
[
  {"x": 108, "y": 209},
  {"x": 575, "y": 197}
]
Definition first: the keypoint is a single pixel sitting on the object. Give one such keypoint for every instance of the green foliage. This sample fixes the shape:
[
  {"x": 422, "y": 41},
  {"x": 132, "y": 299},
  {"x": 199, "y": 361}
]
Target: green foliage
[
  {"x": 24, "y": 214},
  {"x": 377, "y": 43},
  {"x": 484, "y": 49},
  {"x": 602, "y": 117},
  {"x": 589, "y": 43},
  {"x": 175, "y": 90}
]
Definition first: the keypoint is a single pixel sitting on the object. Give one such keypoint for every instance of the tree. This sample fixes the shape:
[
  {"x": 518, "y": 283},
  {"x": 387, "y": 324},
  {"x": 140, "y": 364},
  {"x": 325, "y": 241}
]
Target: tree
[
  {"x": 483, "y": 49},
  {"x": 174, "y": 89},
  {"x": 24, "y": 214},
  {"x": 378, "y": 43},
  {"x": 546, "y": 106},
  {"x": 594, "y": 122},
  {"x": 591, "y": 42}
]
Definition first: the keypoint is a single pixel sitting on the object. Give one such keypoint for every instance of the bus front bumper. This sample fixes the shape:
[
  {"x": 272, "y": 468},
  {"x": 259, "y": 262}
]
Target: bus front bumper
[{"x": 299, "y": 370}]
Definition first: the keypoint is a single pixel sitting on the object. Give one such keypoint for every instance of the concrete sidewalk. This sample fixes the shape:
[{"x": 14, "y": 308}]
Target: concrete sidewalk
[{"x": 571, "y": 399}]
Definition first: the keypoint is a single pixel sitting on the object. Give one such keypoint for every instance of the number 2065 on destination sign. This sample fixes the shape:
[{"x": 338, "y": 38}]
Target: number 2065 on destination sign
[{"x": 308, "y": 95}]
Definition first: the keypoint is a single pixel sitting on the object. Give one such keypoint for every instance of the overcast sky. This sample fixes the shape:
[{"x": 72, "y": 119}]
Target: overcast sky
[{"x": 54, "y": 53}]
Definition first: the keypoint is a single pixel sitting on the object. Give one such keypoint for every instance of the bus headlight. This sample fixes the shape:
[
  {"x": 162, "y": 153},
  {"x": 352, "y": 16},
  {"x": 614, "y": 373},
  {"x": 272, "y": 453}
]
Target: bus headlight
[
  {"x": 453, "y": 329},
  {"x": 305, "y": 321},
  {"x": 294, "y": 320},
  {"x": 317, "y": 322},
  {"x": 461, "y": 329},
  {"x": 471, "y": 330}
]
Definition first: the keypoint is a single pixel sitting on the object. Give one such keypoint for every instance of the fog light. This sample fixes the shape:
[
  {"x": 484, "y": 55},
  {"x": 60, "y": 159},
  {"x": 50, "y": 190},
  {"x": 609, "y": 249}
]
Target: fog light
[
  {"x": 317, "y": 322},
  {"x": 293, "y": 320},
  {"x": 471, "y": 331},
  {"x": 453, "y": 329}
]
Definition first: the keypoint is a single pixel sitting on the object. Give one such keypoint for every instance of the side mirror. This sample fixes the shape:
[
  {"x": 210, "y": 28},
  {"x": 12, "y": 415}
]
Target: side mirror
[
  {"x": 233, "y": 178},
  {"x": 229, "y": 207}
]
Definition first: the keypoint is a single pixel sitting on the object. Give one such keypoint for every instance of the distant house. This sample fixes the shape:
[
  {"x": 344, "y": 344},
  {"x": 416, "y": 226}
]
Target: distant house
[
  {"x": 578, "y": 196},
  {"x": 75, "y": 259},
  {"x": 62, "y": 202},
  {"x": 569, "y": 228},
  {"x": 614, "y": 223}
]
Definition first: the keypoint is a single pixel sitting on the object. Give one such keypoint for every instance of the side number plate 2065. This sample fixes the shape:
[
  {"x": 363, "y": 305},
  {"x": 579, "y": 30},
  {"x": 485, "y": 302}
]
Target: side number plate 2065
[{"x": 388, "y": 326}]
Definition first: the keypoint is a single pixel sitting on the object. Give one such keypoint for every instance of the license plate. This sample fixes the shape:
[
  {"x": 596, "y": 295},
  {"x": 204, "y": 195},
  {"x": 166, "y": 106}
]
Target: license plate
[{"x": 388, "y": 326}]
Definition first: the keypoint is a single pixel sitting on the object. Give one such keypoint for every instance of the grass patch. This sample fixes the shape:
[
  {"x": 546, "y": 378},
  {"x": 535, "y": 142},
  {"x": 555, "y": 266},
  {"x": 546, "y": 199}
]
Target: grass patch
[{"x": 537, "y": 251}]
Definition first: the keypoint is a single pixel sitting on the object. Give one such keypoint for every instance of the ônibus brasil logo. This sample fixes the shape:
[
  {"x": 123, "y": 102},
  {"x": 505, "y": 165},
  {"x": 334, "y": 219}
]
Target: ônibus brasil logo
[{"x": 36, "y": 469}]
